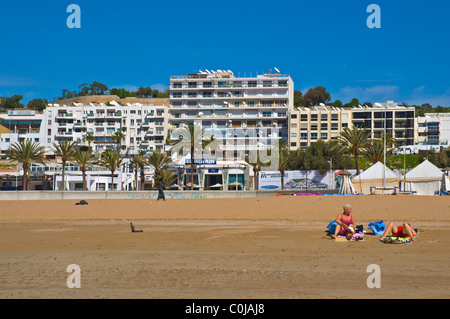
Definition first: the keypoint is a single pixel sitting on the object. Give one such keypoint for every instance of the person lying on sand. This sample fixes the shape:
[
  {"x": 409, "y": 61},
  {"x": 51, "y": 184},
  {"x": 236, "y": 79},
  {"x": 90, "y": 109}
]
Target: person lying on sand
[
  {"x": 403, "y": 231},
  {"x": 344, "y": 221}
]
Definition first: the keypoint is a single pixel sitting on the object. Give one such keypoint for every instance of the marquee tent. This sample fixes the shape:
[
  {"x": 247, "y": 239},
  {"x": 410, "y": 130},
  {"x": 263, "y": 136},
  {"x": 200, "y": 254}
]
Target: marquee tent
[
  {"x": 373, "y": 177},
  {"x": 424, "y": 179}
]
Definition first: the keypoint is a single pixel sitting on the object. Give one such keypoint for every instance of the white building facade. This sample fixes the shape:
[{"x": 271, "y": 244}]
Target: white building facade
[
  {"x": 144, "y": 126},
  {"x": 433, "y": 129},
  {"x": 249, "y": 111}
]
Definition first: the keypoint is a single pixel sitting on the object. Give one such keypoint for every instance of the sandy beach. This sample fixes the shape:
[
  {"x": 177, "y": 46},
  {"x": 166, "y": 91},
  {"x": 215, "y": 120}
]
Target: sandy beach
[{"x": 267, "y": 247}]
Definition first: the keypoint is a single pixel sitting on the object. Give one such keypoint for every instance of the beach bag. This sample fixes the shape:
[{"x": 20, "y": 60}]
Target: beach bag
[
  {"x": 332, "y": 227},
  {"x": 377, "y": 228}
]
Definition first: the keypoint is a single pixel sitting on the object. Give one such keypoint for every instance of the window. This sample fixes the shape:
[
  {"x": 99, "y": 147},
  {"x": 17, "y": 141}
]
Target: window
[
  {"x": 293, "y": 134},
  {"x": 252, "y": 84},
  {"x": 303, "y": 136},
  {"x": 324, "y": 117},
  {"x": 177, "y": 95},
  {"x": 314, "y": 136},
  {"x": 267, "y": 84},
  {"x": 176, "y": 85},
  {"x": 192, "y": 84},
  {"x": 207, "y": 84},
  {"x": 324, "y": 136},
  {"x": 293, "y": 116},
  {"x": 282, "y": 83},
  {"x": 251, "y": 103},
  {"x": 207, "y": 94}
]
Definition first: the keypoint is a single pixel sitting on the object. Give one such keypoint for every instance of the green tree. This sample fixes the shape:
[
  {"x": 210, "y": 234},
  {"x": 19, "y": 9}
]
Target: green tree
[
  {"x": 158, "y": 161},
  {"x": 89, "y": 138},
  {"x": 84, "y": 159},
  {"x": 11, "y": 103},
  {"x": 117, "y": 137},
  {"x": 66, "y": 150},
  {"x": 316, "y": 95},
  {"x": 144, "y": 92},
  {"x": 298, "y": 96},
  {"x": 353, "y": 142},
  {"x": 97, "y": 88},
  {"x": 190, "y": 139},
  {"x": 37, "y": 104},
  {"x": 112, "y": 161},
  {"x": 26, "y": 152},
  {"x": 353, "y": 103}
]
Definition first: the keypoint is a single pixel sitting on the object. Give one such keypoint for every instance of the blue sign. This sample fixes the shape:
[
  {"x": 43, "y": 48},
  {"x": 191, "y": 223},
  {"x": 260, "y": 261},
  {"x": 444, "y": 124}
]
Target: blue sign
[
  {"x": 213, "y": 170},
  {"x": 201, "y": 161}
]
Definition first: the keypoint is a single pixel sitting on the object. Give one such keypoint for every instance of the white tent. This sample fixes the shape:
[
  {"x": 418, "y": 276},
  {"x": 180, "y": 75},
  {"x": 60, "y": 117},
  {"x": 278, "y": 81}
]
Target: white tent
[
  {"x": 424, "y": 179},
  {"x": 373, "y": 177}
]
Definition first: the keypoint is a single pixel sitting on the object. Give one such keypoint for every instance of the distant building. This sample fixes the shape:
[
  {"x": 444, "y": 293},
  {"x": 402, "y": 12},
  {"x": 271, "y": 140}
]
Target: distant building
[
  {"x": 433, "y": 129},
  {"x": 310, "y": 124},
  {"x": 20, "y": 125}
]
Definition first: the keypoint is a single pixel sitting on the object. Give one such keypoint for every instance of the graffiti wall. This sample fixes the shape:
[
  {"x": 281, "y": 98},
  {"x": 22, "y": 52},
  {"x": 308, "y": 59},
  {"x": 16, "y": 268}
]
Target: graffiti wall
[{"x": 301, "y": 180}]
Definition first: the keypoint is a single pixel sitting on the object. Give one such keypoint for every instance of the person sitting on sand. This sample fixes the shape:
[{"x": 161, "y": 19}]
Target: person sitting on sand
[
  {"x": 403, "y": 231},
  {"x": 343, "y": 221}
]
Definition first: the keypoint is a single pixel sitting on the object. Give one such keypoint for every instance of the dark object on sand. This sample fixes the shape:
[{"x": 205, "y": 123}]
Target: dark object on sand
[
  {"x": 134, "y": 230},
  {"x": 82, "y": 202}
]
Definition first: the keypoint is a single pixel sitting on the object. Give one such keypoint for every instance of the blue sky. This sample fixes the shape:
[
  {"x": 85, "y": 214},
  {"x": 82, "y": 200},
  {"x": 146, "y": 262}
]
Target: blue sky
[{"x": 142, "y": 43}]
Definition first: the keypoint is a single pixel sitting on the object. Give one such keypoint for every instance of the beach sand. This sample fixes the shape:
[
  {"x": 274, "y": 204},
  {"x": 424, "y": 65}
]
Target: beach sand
[{"x": 267, "y": 247}]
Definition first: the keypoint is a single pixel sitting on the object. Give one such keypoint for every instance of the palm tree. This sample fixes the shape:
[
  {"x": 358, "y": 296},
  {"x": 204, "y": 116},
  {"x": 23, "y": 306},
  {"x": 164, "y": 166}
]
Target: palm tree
[
  {"x": 89, "y": 139},
  {"x": 26, "y": 152},
  {"x": 257, "y": 163},
  {"x": 66, "y": 150},
  {"x": 353, "y": 142},
  {"x": 158, "y": 161},
  {"x": 134, "y": 165},
  {"x": 284, "y": 160},
  {"x": 111, "y": 160},
  {"x": 374, "y": 152},
  {"x": 117, "y": 137},
  {"x": 167, "y": 177},
  {"x": 84, "y": 159},
  {"x": 191, "y": 138}
]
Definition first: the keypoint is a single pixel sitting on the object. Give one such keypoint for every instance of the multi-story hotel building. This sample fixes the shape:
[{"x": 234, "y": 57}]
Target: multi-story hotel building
[
  {"x": 249, "y": 109},
  {"x": 19, "y": 125},
  {"x": 433, "y": 129},
  {"x": 144, "y": 126},
  {"x": 310, "y": 124}
]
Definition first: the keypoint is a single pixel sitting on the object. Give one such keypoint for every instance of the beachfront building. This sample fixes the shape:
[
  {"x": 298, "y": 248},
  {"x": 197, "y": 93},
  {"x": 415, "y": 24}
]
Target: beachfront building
[
  {"x": 399, "y": 121},
  {"x": 20, "y": 125},
  {"x": 248, "y": 110},
  {"x": 244, "y": 114},
  {"x": 433, "y": 129},
  {"x": 144, "y": 126},
  {"x": 310, "y": 124}
]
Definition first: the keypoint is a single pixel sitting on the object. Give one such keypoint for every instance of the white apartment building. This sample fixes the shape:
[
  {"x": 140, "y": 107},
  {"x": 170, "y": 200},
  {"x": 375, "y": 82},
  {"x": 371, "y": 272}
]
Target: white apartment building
[
  {"x": 249, "y": 110},
  {"x": 433, "y": 129},
  {"x": 19, "y": 125},
  {"x": 310, "y": 124},
  {"x": 144, "y": 126}
]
